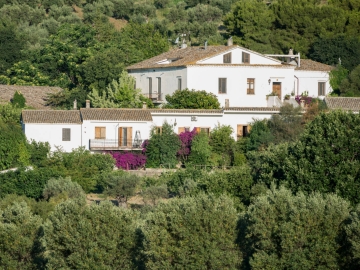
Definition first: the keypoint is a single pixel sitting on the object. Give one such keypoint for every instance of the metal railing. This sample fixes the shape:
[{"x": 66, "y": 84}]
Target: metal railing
[
  {"x": 112, "y": 144},
  {"x": 154, "y": 96}
]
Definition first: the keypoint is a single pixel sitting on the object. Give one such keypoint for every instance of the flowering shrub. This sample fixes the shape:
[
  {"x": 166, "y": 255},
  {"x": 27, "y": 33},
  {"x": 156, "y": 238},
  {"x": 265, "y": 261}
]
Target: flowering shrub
[
  {"x": 144, "y": 146},
  {"x": 129, "y": 160},
  {"x": 307, "y": 99},
  {"x": 185, "y": 139}
]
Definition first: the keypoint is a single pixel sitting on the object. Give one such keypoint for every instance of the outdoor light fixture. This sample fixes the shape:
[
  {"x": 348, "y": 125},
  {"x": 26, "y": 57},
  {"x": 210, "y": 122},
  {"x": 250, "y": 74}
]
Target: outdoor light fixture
[{"x": 269, "y": 81}]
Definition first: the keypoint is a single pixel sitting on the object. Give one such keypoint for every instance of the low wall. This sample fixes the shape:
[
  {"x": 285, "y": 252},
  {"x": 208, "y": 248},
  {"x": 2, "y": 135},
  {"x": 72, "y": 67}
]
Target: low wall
[{"x": 150, "y": 172}]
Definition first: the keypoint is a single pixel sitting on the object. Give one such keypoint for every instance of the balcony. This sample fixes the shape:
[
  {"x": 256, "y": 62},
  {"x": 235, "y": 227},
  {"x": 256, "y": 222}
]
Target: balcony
[
  {"x": 155, "y": 97},
  {"x": 111, "y": 144}
]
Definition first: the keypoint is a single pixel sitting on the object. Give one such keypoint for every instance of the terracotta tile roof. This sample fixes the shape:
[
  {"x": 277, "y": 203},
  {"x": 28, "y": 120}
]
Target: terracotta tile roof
[
  {"x": 51, "y": 117},
  {"x": 113, "y": 114},
  {"x": 310, "y": 65},
  {"x": 35, "y": 95},
  {"x": 253, "y": 109},
  {"x": 345, "y": 103},
  {"x": 186, "y": 56},
  {"x": 186, "y": 111},
  {"x": 244, "y": 65}
]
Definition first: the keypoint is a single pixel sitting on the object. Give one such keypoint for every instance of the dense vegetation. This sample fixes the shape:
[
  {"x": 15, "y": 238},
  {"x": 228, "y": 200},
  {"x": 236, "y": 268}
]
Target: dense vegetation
[
  {"x": 285, "y": 196},
  {"x": 84, "y": 46}
]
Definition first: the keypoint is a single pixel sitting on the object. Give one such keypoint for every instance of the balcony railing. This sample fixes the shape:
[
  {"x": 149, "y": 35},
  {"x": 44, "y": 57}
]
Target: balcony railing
[
  {"x": 155, "y": 97},
  {"x": 111, "y": 144}
]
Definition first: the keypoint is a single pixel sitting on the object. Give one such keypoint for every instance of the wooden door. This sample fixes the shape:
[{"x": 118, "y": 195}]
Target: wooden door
[
  {"x": 277, "y": 89},
  {"x": 120, "y": 136}
]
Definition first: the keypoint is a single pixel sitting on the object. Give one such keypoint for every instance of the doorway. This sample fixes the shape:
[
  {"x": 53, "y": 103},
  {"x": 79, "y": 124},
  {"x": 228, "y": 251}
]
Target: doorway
[{"x": 276, "y": 88}]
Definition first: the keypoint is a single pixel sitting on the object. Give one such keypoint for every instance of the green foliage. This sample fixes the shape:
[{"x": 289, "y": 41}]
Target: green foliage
[
  {"x": 222, "y": 143},
  {"x": 13, "y": 151},
  {"x": 250, "y": 21},
  {"x": 54, "y": 187},
  {"x": 260, "y": 136},
  {"x": 119, "y": 94},
  {"x": 26, "y": 182},
  {"x": 18, "y": 231},
  {"x": 83, "y": 167},
  {"x": 337, "y": 75},
  {"x": 200, "y": 150},
  {"x": 349, "y": 238},
  {"x": 340, "y": 49},
  {"x": 162, "y": 147},
  {"x": 191, "y": 99},
  {"x": 154, "y": 193},
  {"x": 39, "y": 152},
  {"x": 283, "y": 231},
  {"x": 18, "y": 100},
  {"x": 192, "y": 233},
  {"x": 9, "y": 114},
  {"x": 96, "y": 237},
  {"x": 350, "y": 86},
  {"x": 11, "y": 45},
  {"x": 121, "y": 186},
  {"x": 287, "y": 125}
]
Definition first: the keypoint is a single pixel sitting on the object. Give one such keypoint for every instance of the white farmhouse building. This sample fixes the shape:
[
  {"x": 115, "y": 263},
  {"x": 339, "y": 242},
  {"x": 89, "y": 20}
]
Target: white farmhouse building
[
  {"x": 232, "y": 73},
  {"x": 126, "y": 129}
]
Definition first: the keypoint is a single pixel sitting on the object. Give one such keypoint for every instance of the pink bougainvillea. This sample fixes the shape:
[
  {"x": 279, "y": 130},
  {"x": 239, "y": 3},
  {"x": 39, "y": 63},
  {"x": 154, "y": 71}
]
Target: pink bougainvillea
[
  {"x": 129, "y": 160},
  {"x": 307, "y": 100},
  {"x": 186, "y": 139}
]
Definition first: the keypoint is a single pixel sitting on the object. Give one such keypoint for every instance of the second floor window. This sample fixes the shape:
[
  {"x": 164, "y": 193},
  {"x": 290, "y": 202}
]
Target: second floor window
[
  {"x": 227, "y": 58},
  {"x": 100, "y": 132},
  {"x": 250, "y": 86},
  {"x": 245, "y": 58},
  {"x": 222, "y": 86}
]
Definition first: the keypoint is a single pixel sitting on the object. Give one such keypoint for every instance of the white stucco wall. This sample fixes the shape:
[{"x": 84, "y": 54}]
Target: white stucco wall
[
  {"x": 169, "y": 79},
  {"x": 207, "y": 78},
  {"x": 236, "y": 58},
  {"x": 112, "y": 128},
  {"x": 52, "y": 133},
  {"x": 308, "y": 81}
]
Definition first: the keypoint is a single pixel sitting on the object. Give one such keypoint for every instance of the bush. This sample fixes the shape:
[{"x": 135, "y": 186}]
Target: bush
[
  {"x": 154, "y": 193},
  {"x": 292, "y": 232},
  {"x": 162, "y": 147},
  {"x": 18, "y": 231},
  {"x": 55, "y": 187},
  {"x": 18, "y": 100},
  {"x": 128, "y": 160},
  {"x": 77, "y": 236},
  {"x": 29, "y": 183},
  {"x": 192, "y": 233},
  {"x": 191, "y": 99},
  {"x": 13, "y": 151},
  {"x": 200, "y": 150},
  {"x": 39, "y": 152},
  {"x": 122, "y": 186}
]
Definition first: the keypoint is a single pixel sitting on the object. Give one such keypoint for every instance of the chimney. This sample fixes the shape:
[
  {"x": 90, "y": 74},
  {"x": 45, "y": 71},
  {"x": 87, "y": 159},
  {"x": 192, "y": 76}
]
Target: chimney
[
  {"x": 291, "y": 52},
  {"x": 230, "y": 41},
  {"x": 227, "y": 104},
  {"x": 75, "y": 105},
  {"x": 87, "y": 104},
  {"x": 205, "y": 45},
  {"x": 144, "y": 106}
]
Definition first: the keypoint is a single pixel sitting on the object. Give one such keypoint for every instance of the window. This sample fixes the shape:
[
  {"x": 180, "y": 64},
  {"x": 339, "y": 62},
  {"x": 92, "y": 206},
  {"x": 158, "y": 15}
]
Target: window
[
  {"x": 100, "y": 132},
  {"x": 158, "y": 130},
  {"x": 203, "y": 129},
  {"x": 227, "y": 58},
  {"x": 159, "y": 88},
  {"x": 222, "y": 85},
  {"x": 66, "y": 134},
  {"x": 250, "y": 86},
  {"x": 242, "y": 131},
  {"x": 179, "y": 83},
  {"x": 245, "y": 58},
  {"x": 321, "y": 88},
  {"x": 183, "y": 129},
  {"x": 150, "y": 87}
]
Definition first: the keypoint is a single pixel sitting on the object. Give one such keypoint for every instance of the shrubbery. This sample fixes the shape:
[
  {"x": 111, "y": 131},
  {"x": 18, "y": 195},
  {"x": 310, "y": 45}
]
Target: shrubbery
[{"x": 128, "y": 160}]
